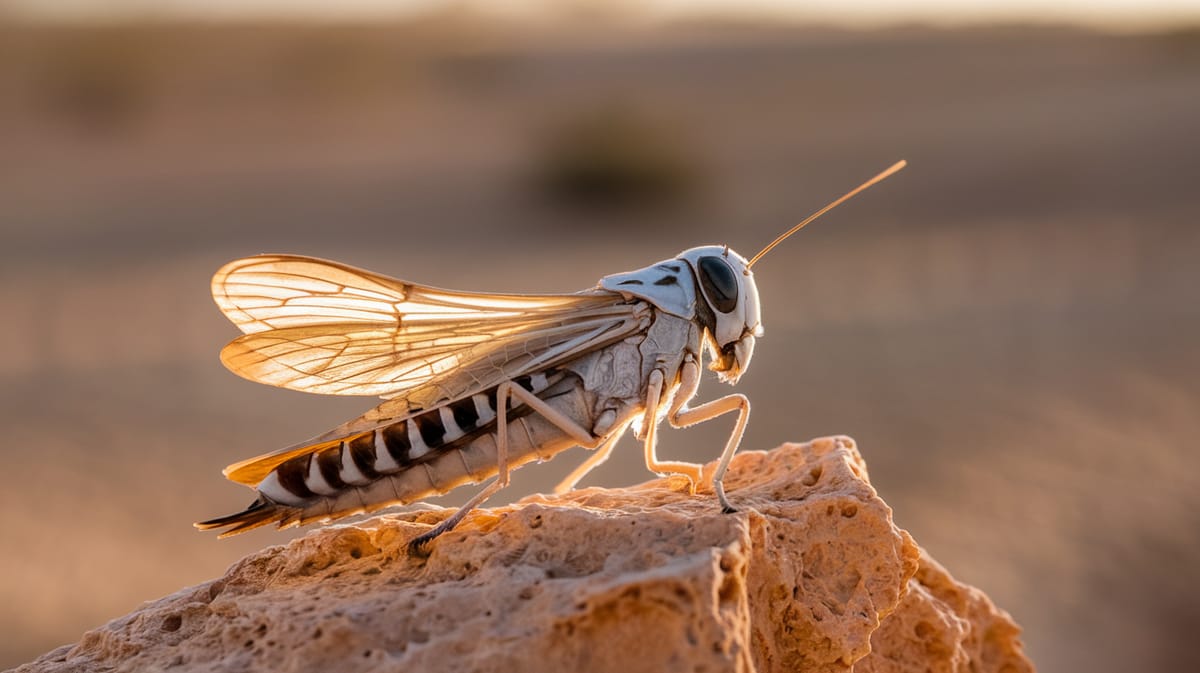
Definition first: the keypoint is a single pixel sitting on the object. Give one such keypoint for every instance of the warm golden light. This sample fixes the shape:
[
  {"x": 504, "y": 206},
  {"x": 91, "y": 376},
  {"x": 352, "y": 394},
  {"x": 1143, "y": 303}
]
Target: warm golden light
[
  {"x": 1108, "y": 14},
  {"x": 1007, "y": 330}
]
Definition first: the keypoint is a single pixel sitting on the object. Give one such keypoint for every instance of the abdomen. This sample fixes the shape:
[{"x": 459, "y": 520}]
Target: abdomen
[{"x": 426, "y": 454}]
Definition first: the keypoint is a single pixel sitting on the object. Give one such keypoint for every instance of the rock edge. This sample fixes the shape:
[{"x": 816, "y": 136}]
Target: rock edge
[{"x": 810, "y": 575}]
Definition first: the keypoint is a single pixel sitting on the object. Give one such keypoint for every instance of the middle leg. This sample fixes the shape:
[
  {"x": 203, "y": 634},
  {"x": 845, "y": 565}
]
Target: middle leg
[{"x": 691, "y": 471}]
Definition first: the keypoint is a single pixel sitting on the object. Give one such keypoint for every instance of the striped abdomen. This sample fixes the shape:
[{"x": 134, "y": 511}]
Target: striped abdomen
[{"x": 428, "y": 453}]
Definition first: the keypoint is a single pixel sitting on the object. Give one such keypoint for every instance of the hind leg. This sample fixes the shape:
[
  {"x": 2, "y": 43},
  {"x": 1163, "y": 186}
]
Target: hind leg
[
  {"x": 593, "y": 461},
  {"x": 504, "y": 392}
]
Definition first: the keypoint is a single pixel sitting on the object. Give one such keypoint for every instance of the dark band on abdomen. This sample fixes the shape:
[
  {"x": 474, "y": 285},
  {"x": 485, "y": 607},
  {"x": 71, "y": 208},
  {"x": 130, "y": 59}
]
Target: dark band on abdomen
[
  {"x": 418, "y": 438},
  {"x": 330, "y": 463},
  {"x": 465, "y": 413},
  {"x": 395, "y": 438},
  {"x": 429, "y": 424},
  {"x": 292, "y": 475},
  {"x": 362, "y": 452}
]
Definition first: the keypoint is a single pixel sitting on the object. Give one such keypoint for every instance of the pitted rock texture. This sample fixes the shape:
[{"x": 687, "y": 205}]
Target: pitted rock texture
[{"x": 810, "y": 575}]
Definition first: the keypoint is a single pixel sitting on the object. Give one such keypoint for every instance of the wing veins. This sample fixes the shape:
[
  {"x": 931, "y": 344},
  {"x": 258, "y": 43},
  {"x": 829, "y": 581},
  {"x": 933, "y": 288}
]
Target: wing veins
[{"x": 325, "y": 327}]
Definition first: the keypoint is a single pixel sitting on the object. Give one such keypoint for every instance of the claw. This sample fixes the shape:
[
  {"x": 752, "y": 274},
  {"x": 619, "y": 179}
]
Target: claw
[
  {"x": 419, "y": 545},
  {"x": 726, "y": 506},
  {"x": 417, "y": 549},
  {"x": 674, "y": 476}
]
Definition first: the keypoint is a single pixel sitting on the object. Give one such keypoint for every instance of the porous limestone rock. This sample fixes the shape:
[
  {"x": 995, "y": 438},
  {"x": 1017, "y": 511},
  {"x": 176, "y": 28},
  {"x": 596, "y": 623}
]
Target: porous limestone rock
[{"x": 809, "y": 575}]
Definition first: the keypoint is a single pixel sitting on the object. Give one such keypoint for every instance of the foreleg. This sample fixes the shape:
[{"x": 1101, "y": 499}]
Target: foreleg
[{"x": 678, "y": 417}]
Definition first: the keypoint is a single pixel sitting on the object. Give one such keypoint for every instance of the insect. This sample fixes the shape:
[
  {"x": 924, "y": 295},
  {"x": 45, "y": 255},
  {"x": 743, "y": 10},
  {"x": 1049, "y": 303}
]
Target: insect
[{"x": 478, "y": 384}]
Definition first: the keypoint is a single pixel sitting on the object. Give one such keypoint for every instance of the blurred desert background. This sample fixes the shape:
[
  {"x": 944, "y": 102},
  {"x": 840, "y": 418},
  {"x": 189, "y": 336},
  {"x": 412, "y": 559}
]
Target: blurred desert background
[{"x": 1010, "y": 327}]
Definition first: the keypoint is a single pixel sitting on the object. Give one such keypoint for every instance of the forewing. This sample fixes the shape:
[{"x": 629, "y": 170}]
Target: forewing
[
  {"x": 538, "y": 350},
  {"x": 269, "y": 292},
  {"x": 324, "y": 327},
  {"x": 423, "y": 363}
]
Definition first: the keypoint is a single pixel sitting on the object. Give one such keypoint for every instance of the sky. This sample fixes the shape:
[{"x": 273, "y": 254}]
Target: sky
[{"x": 1113, "y": 14}]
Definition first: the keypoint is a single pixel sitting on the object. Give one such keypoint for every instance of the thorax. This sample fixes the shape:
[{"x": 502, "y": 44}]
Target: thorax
[{"x": 618, "y": 374}]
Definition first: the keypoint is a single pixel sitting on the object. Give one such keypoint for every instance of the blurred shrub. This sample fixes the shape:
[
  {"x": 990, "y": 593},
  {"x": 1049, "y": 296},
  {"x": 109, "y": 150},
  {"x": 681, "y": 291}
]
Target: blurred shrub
[
  {"x": 615, "y": 159},
  {"x": 1182, "y": 43},
  {"x": 97, "y": 80}
]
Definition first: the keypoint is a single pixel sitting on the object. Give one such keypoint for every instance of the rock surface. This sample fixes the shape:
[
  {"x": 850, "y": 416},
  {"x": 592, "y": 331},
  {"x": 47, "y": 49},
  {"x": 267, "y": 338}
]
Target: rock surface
[{"x": 810, "y": 575}]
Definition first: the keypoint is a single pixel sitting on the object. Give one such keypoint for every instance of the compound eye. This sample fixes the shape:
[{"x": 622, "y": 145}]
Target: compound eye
[{"x": 719, "y": 282}]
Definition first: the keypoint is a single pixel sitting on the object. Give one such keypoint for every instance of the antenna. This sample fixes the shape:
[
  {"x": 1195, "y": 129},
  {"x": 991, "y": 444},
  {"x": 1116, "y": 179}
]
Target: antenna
[{"x": 894, "y": 168}]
